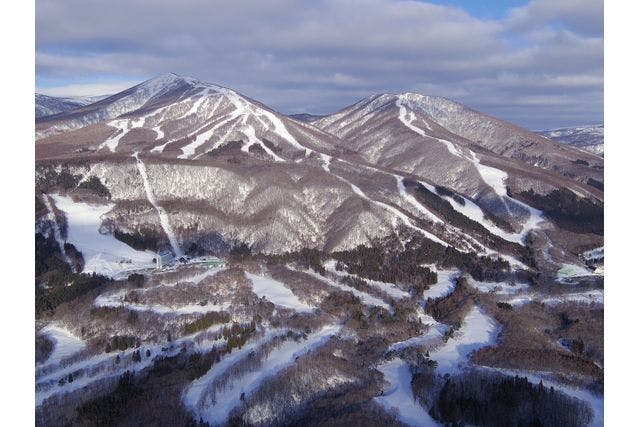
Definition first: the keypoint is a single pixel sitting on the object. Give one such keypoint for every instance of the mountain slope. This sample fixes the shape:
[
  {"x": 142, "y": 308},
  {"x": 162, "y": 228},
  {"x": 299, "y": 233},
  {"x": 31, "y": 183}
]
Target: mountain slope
[
  {"x": 397, "y": 131},
  {"x": 178, "y": 117},
  {"x": 49, "y": 105},
  {"x": 453, "y": 125},
  {"x": 221, "y": 169}
]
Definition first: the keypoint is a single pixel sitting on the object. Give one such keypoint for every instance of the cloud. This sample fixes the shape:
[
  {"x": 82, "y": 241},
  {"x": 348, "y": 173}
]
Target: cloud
[
  {"x": 87, "y": 89},
  {"x": 580, "y": 16},
  {"x": 321, "y": 56}
]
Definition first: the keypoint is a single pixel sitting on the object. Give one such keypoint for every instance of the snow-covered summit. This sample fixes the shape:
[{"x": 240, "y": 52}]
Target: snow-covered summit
[{"x": 186, "y": 118}]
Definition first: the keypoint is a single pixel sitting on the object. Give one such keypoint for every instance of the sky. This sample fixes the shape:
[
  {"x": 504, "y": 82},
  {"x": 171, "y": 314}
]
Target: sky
[{"x": 536, "y": 63}]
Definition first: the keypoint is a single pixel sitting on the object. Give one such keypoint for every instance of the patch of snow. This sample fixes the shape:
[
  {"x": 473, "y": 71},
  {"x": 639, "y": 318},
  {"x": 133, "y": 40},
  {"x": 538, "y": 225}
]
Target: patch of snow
[
  {"x": 326, "y": 161},
  {"x": 593, "y": 254}
]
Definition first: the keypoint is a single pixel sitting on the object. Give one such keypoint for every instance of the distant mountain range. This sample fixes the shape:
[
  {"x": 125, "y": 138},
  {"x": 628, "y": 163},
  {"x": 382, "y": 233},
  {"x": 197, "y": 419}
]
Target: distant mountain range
[
  {"x": 589, "y": 138},
  {"x": 49, "y": 105}
]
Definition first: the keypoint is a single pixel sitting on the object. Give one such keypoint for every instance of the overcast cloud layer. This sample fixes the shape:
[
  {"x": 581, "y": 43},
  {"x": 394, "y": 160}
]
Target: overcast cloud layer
[{"x": 540, "y": 67}]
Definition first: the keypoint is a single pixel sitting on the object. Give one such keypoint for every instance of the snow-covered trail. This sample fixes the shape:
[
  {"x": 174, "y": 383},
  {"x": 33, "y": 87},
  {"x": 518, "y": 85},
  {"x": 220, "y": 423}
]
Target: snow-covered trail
[
  {"x": 412, "y": 200},
  {"x": 593, "y": 254},
  {"x": 117, "y": 299},
  {"x": 214, "y": 406},
  {"x": 197, "y": 393},
  {"x": 366, "y": 298},
  {"x": 429, "y": 339},
  {"x": 475, "y": 213},
  {"x": 164, "y": 218},
  {"x": 102, "y": 253},
  {"x": 190, "y": 149},
  {"x": 101, "y": 366},
  {"x": 399, "y": 395},
  {"x": 250, "y": 133},
  {"x": 65, "y": 344},
  {"x": 498, "y": 288},
  {"x": 243, "y": 110},
  {"x": 443, "y": 287},
  {"x": 56, "y": 228},
  {"x": 122, "y": 127},
  {"x": 493, "y": 177},
  {"x": 277, "y": 293},
  {"x": 594, "y": 296},
  {"x": 477, "y": 330},
  {"x": 496, "y": 179},
  {"x": 390, "y": 289},
  {"x": 407, "y": 118},
  {"x": 399, "y": 216}
]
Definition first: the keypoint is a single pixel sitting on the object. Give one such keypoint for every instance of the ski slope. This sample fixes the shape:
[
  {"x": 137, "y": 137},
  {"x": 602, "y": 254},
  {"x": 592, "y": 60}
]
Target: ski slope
[{"x": 102, "y": 253}]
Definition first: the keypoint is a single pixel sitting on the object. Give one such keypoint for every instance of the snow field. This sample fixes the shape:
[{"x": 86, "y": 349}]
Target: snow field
[{"x": 102, "y": 253}]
